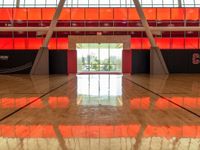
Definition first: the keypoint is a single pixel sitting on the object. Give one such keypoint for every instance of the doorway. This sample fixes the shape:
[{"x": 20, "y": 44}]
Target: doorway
[{"x": 99, "y": 57}]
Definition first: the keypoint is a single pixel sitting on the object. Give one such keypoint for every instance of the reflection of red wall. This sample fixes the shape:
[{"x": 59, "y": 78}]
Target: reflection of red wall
[
  {"x": 99, "y": 131},
  {"x": 126, "y": 61},
  {"x": 72, "y": 61}
]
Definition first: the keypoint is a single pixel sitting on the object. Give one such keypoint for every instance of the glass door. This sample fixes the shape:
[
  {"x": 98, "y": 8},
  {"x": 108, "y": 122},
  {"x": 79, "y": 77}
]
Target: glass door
[{"x": 103, "y": 57}]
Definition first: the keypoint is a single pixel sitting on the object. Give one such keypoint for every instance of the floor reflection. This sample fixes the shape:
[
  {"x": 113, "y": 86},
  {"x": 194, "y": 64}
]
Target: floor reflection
[
  {"x": 100, "y": 112},
  {"x": 96, "y": 90}
]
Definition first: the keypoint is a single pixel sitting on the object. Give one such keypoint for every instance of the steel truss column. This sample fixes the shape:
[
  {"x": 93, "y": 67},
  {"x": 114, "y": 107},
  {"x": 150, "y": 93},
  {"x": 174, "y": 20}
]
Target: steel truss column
[
  {"x": 41, "y": 63},
  {"x": 157, "y": 63}
]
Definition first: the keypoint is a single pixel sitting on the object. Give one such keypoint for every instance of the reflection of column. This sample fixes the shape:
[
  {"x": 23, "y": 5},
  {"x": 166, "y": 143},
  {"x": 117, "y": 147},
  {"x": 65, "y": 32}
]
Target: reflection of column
[{"x": 55, "y": 127}]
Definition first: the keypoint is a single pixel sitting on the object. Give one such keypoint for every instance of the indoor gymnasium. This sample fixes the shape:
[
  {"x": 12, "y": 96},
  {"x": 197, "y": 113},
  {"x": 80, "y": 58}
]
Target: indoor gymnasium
[{"x": 99, "y": 74}]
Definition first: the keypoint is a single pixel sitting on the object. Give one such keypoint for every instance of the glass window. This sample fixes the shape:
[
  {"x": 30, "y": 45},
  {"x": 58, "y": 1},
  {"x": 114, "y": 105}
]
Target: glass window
[
  {"x": 100, "y": 3},
  {"x": 104, "y": 57},
  {"x": 9, "y": 3}
]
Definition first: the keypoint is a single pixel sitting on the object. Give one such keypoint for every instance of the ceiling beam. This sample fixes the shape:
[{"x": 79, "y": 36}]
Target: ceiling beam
[{"x": 35, "y": 29}]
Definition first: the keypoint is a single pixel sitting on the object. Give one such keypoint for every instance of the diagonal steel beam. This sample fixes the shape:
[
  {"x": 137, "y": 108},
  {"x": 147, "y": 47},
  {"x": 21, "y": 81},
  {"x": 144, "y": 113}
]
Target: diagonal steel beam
[
  {"x": 17, "y": 3},
  {"x": 157, "y": 63},
  {"x": 53, "y": 23},
  {"x": 144, "y": 23},
  {"x": 41, "y": 63},
  {"x": 179, "y": 3}
]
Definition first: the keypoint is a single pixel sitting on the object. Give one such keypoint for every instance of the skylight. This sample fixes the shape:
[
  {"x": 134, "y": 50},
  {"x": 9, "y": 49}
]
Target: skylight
[{"x": 100, "y": 3}]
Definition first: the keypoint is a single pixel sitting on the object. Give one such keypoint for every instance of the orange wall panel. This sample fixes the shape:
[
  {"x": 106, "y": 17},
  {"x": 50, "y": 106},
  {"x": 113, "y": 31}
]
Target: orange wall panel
[
  {"x": 150, "y": 13},
  {"x": 52, "y": 44},
  {"x": 20, "y": 14},
  {"x": 77, "y": 13},
  {"x": 34, "y": 13},
  {"x": 192, "y": 13},
  {"x": 65, "y": 14},
  {"x": 145, "y": 43},
  {"x": 163, "y": 43},
  {"x": 34, "y": 43},
  {"x": 6, "y": 43},
  {"x": 132, "y": 14},
  {"x": 136, "y": 43},
  {"x": 62, "y": 43},
  {"x": 6, "y": 14},
  {"x": 106, "y": 14},
  {"x": 47, "y": 13},
  {"x": 177, "y": 13},
  {"x": 91, "y": 14},
  {"x": 191, "y": 43},
  {"x": 163, "y": 13},
  {"x": 120, "y": 14},
  {"x": 20, "y": 43},
  {"x": 178, "y": 43}
]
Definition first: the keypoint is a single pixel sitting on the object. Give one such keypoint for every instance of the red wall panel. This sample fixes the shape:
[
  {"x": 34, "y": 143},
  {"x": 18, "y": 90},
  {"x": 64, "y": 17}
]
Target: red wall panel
[
  {"x": 136, "y": 43},
  {"x": 6, "y": 43},
  {"x": 6, "y": 14},
  {"x": 47, "y": 13},
  {"x": 178, "y": 43},
  {"x": 163, "y": 13},
  {"x": 126, "y": 61},
  {"x": 34, "y": 13},
  {"x": 72, "y": 61},
  {"x": 191, "y": 43},
  {"x": 163, "y": 43},
  {"x": 77, "y": 13},
  {"x": 106, "y": 14},
  {"x": 120, "y": 14},
  {"x": 52, "y": 44},
  {"x": 20, "y": 43},
  {"x": 20, "y": 14},
  {"x": 192, "y": 13},
  {"x": 150, "y": 13},
  {"x": 62, "y": 43},
  {"x": 177, "y": 13},
  {"x": 145, "y": 43},
  {"x": 65, "y": 14},
  {"x": 132, "y": 14},
  {"x": 34, "y": 43},
  {"x": 91, "y": 14}
]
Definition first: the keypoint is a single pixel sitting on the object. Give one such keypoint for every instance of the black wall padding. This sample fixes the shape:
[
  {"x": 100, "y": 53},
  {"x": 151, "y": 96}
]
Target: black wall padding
[
  {"x": 180, "y": 61},
  {"x": 15, "y": 59},
  {"x": 140, "y": 61},
  {"x": 58, "y": 62},
  {"x": 177, "y": 61},
  {"x": 194, "y": 68}
]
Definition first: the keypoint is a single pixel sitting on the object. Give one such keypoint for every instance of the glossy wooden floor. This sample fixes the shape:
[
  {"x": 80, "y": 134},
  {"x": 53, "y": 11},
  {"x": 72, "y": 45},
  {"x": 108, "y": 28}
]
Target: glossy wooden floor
[{"x": 100, "y": 112}]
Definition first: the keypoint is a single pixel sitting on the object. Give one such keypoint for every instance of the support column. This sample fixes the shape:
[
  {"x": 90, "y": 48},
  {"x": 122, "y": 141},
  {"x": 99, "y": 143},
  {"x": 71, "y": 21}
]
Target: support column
[
  {"x": 41, "y": 64},
  {"x": 157, "y": 63},
  {"x": 155, "y": 51}
]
